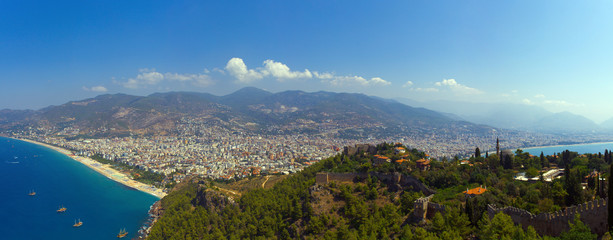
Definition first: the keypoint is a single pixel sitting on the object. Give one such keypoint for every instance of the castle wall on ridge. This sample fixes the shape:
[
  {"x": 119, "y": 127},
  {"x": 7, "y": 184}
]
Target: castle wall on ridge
[{"x": 593, "y": 213}]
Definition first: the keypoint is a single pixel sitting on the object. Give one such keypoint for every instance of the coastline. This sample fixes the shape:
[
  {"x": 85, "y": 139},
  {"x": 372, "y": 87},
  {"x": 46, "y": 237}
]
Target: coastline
[
  {"x": 105, "y": 170},
  {"x": 560, "y": 145}
]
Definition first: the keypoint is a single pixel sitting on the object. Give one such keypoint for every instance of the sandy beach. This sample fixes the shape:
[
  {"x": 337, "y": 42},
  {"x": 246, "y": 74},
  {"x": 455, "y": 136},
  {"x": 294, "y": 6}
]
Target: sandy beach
[{"x": 106, "y": 170}]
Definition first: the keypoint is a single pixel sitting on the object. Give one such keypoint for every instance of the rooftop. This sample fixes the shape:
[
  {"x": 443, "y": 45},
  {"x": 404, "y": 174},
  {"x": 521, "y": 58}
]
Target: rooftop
[{"x": 475, "y": 191}]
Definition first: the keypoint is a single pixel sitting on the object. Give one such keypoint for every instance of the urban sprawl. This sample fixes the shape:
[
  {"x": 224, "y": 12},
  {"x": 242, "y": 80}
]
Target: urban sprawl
[{"x": 208, "y": 150}]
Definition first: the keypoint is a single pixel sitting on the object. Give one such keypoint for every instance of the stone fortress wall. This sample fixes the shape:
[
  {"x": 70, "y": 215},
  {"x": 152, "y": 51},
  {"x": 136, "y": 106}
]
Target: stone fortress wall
[
  {"x": 358, "y": 148},
  {"x": 593, "y": 213},
  {"x": 425, "y": 209}
]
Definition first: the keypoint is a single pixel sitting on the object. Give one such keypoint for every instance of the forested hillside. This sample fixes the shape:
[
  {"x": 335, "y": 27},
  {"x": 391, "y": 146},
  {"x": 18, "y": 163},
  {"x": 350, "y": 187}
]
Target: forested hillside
[{"x": 371, "y": 208}]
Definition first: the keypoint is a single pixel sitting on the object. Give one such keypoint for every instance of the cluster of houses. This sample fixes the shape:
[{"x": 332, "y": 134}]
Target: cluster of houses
[{"x": 422, "y": 164}]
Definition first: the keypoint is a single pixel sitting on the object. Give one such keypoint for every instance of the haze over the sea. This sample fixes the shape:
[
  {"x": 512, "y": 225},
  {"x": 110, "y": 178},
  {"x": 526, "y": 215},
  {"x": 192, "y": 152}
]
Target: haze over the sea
[{"x": 104, "y": 206}]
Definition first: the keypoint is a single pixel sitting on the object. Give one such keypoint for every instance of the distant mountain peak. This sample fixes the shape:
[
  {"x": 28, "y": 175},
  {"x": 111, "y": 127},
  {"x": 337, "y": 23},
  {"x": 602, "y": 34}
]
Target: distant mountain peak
[
  {"x": 250, "y": 90},
  {"x": 249, "y": 108}
]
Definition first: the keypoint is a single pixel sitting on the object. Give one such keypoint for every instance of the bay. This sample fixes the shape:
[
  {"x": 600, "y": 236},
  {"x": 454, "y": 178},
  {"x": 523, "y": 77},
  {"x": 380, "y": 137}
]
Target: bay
[
  {"x": 580, "y": 148},
  {"x": 104, "y": 206}
]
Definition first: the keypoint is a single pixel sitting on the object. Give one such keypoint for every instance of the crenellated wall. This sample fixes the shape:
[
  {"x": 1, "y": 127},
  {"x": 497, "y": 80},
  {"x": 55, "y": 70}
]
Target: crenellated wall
[
  {"x": 593, "y": 213},
  {"x": 323, "y": 178},
  {"x": 420, "y": 210},
  {"x": 424, "y": 209}
]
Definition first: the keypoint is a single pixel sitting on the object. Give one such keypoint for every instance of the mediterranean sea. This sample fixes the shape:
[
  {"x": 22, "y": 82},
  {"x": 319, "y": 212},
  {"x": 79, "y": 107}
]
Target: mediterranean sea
[
  {"x": 580, "y": 148},
  {"x": 103, "y": 205}
]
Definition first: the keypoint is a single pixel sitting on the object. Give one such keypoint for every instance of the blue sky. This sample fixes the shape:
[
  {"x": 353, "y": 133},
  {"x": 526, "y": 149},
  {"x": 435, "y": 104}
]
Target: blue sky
[{"x": 554, "y": 54}]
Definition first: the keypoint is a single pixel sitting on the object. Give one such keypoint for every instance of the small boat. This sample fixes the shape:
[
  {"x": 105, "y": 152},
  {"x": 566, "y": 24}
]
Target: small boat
[
  {"x": 32, "y": 193},
  {"x": 77, "y": 224},
  {"x": 122, "y": 233},
  {"x": 61, "y": 209}
]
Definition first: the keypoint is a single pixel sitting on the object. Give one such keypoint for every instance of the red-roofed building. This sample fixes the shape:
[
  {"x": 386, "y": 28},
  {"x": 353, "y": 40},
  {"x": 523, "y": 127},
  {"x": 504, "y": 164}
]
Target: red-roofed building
[
  {"x": 399, "y": 150},
  {"x": 475, "y": 191},
  {"x": 378, "y": 160},
  {"x": 423, "y": 164}
]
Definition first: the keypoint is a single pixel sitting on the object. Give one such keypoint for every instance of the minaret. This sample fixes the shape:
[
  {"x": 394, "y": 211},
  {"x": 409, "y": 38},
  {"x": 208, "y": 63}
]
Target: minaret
[{"x": 497, "y": 147}]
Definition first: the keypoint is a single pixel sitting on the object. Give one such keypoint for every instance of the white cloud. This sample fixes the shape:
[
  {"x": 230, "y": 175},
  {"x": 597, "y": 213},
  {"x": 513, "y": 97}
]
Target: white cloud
[
  {"x": 201, "y": 80},
  {"x": 99, "y": 89},
  {"x": 456, "y": 87},
  {"x": 407, "y": 84},
  {"x": 282, "y": 71},
  {"x": 237, "y": 68},
  {"x": 323, "y": 75},
  {"x": 217, "y": 70},
  {"x": 562, "y": 103},
  {"x": 131, "y": 83},
  {"x": 354, "y": 80},
  {"x": 334, "y": 80},
  {"x": 148, "y": 77},
  {"x": 539, "y": 96},
  {"x": 527, "y": 101},
  {"x": 145, "y": 77},
  {"x": 557, "y": 102},
  {"x": 96, "y": 89},
  {"x": 179, "y": 77},
  {"x": 425, "y": 89},
  {"x": 512, "y": 93},
  {"x": 378, "y": 81},
  {"x": 151, "y": 77}
]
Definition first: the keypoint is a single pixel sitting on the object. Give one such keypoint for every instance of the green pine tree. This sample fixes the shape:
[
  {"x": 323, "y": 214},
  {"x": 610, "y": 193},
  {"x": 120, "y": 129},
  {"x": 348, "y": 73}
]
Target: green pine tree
[
  {"x": 610, "y": 199},
  {"x": 578, "y": 230},
  {"x": 544, "y": 161}
]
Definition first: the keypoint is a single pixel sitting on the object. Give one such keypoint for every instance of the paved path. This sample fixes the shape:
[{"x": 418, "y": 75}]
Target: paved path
[{"x": 264, "y": 183}]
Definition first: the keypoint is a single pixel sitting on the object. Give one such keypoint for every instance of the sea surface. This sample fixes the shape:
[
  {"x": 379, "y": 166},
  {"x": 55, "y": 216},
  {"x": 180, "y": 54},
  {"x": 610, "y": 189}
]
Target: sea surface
[
  {"x": 103, "y": 205},
  {"x": 580, "y": 148}
]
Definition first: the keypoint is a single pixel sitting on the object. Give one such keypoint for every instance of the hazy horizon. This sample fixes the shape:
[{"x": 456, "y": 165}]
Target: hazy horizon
[{"x": 551, "y": 54}]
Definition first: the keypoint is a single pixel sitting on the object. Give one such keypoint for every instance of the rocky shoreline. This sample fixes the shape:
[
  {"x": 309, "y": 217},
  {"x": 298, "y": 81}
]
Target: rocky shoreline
[{"x": 155, "y": 212}]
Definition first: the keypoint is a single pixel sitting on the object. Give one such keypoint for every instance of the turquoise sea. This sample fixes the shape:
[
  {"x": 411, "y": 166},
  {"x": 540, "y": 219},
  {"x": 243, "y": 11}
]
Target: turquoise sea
[
  {"x": 104, "y": 206},
  {"x": 580, "y": 148}
]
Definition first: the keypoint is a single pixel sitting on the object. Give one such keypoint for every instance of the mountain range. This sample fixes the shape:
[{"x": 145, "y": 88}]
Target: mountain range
[
  {"x": 248, "y": 109},
  {"x": 515, "y": 116}
]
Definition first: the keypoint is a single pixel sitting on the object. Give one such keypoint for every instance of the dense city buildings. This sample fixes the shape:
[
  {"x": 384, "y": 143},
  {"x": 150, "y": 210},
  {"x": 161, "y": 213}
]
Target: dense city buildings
[{"x": 209, "y": 150}]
